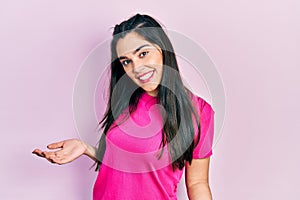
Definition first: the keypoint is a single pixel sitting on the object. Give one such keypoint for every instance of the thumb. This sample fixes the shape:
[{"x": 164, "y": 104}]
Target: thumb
[{"x": 55, "y": 145}]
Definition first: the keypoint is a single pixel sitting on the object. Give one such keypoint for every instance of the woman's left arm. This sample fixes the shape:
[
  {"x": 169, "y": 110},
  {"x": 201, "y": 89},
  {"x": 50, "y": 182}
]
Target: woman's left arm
[{"x": 197, "y": 179}]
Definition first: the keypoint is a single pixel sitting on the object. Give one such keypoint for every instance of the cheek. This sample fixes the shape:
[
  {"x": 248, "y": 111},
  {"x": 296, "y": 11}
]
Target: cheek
[
  {"x": 158, "y": 59},
  {"x": 160, "y": 71},
  {"x": 126, "y": 69},
  {"x": 128, "y": 72},
  {"x": 159, "y": 62}
]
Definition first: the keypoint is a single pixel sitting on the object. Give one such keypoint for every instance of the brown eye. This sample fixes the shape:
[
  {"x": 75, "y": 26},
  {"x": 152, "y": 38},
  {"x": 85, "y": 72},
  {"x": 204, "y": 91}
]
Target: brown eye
[
  {"x": 125, "y": 62},
  {"x": 144, "y": 53}
]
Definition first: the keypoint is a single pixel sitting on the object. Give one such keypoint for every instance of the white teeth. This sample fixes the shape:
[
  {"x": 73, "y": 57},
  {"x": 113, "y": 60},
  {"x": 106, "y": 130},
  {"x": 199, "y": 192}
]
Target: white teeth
[{"x": 146, "y": 76}]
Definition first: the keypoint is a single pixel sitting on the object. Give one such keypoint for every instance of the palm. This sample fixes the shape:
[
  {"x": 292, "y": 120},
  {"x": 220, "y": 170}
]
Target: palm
[{"x": 65, "y": 151}]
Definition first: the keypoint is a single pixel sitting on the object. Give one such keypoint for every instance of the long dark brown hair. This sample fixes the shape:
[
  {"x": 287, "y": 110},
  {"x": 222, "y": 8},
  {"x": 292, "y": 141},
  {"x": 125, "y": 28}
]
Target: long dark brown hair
[{"x": 172, "y": 94}]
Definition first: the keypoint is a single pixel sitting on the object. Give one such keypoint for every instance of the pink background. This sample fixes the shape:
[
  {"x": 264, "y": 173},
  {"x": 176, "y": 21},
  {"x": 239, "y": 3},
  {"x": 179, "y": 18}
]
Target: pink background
[{"x": 254, "y": 45}]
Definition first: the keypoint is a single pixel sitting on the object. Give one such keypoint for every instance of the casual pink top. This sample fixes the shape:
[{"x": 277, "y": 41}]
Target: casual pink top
[{"x": 131, "y": 169}]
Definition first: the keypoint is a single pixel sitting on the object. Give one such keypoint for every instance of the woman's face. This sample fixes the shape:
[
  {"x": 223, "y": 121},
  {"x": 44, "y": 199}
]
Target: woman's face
[{"x": 141, "y": 60}]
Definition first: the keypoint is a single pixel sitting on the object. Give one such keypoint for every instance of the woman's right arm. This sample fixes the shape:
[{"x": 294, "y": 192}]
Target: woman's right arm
[{"x": 66, "y": 151}]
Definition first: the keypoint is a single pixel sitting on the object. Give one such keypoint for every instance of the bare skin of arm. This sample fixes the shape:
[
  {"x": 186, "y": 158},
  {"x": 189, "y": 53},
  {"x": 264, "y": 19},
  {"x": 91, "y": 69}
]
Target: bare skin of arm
[
  {"x": 197, "y": 180},
  {"x": 66, "y": 151}
]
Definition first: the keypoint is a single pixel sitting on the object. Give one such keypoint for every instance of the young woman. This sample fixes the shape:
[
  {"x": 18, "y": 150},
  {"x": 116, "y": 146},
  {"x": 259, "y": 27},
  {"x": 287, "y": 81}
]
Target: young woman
[{"x": 153, "y": 126}]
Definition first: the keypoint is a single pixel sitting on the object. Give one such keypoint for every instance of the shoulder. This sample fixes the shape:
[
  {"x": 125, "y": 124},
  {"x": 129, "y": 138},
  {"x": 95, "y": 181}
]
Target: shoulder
[
  {"x": 204, "y": 107},
  {"x": 203, "y": 149}
]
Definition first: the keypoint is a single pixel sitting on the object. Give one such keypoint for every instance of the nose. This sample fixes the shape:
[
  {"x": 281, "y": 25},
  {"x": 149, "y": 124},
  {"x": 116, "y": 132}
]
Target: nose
[{"x": 137, "y": 65}]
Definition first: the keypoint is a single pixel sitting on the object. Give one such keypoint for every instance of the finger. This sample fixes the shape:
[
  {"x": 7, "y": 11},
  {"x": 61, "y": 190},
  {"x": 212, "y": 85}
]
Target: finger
[
  {"x": 57, "y": 160},
  {"x": 55, "y": 155},
  {"x": 48, "y": 155},
  {"x": 56, "y": 145},
  {"x": 51, "y": 160},
  {"x": 38, "y": 152},
  {"x": 59, "y": 152}
]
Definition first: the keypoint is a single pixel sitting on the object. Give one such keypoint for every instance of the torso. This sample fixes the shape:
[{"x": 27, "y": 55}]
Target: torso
[{"x": 131, "y": 168}]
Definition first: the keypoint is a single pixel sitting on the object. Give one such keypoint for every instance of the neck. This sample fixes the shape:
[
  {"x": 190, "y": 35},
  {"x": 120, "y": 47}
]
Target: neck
[{"x": 152, "y": 93}]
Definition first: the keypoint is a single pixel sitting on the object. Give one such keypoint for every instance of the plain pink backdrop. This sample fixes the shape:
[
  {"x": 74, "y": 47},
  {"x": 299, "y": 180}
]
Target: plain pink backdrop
[{"x": 254, "y": 45}]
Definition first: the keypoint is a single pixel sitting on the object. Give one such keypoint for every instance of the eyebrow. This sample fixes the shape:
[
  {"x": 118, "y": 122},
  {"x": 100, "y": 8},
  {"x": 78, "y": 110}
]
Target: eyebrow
[{"x": 135, "y": 51}]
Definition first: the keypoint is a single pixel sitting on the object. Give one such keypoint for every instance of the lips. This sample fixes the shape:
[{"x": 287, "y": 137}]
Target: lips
[{"x": 145, "y": 77}]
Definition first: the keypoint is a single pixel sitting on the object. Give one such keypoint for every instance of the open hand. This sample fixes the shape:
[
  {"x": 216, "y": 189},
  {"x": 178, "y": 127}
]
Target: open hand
[{"x": 65, "y": 151}]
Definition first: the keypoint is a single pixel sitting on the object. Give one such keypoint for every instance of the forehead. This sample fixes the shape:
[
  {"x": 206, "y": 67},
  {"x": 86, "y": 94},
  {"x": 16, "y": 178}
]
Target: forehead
[{"x": 129, "y": 43}]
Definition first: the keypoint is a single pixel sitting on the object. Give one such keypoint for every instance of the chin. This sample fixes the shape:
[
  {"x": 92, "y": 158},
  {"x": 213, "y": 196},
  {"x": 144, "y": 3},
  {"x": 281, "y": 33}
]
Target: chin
[{"x": 150, "y": 89}]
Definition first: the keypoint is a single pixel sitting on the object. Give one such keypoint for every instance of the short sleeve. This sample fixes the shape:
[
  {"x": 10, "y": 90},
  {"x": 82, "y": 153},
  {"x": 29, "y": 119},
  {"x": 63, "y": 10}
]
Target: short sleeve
[{"x": 204, "y": 147}]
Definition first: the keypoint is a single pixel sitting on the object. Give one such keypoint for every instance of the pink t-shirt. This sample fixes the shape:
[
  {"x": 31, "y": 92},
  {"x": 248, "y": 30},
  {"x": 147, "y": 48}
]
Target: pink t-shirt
[{"x": 131, "y": 169}]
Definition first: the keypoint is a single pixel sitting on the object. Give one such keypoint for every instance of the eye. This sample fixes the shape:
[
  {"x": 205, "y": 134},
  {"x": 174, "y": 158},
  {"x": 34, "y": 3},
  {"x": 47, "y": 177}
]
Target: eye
[
  {"x": 125, "y": 62},
  {"x": 143, "y": 54}
]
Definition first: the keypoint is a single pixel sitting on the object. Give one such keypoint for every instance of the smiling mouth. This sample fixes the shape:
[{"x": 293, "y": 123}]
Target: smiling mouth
[{"x": 146, "y": 77}]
